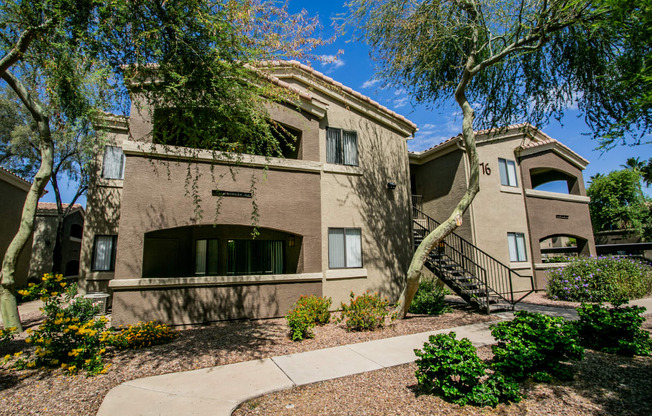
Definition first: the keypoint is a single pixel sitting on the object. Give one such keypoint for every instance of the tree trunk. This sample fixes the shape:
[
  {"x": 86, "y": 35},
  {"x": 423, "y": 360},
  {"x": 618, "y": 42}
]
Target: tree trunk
[
  {"x": 8, "y": 305},
  {"x": 455, "y": 219}
]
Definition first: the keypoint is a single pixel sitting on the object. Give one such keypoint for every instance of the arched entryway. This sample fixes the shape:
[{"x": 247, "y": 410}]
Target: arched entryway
[{"x": 220, "y": 250}]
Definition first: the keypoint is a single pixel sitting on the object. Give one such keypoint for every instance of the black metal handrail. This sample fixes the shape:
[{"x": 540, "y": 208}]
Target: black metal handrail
[{"x": 493, "y": 274}]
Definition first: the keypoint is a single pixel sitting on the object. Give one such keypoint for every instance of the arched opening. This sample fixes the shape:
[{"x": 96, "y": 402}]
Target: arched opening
[
  {"x": 221, "y": 250},
  {"x": 561, "y": 248},
  {"x": 76, "y": 231},
  {"x": 552, "y": 180}
]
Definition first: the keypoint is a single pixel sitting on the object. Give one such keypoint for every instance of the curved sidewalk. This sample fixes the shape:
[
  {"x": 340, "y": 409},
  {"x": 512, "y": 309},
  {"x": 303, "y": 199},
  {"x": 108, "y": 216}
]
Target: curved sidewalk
[{"x": 219, "y": 390}]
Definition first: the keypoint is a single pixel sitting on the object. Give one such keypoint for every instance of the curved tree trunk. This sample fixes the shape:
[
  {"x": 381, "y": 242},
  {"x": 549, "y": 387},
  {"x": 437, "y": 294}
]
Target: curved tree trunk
[{"x": 8, "y": 305}]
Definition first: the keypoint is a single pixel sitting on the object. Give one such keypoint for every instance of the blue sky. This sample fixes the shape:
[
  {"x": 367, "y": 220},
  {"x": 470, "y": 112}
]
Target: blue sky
[{"x": 355, "y": 69}]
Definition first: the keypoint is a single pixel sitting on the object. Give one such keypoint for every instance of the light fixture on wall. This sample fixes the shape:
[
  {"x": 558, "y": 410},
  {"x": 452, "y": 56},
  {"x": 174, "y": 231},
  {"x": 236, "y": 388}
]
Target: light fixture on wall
[
  {"x": 291, "y": 241},
  {"x": 391, "y": 185}
]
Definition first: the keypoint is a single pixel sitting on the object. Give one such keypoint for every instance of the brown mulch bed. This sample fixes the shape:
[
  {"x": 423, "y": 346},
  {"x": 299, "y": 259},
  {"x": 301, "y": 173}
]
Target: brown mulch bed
[
  {"x": 49, "y": 392},
  {"x": 604, "y": 385}
]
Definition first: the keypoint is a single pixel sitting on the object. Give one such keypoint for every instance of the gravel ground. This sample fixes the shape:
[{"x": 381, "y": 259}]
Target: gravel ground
[
  {"x": 604, "y": 385},
  {"x": 48, "y": 392}
]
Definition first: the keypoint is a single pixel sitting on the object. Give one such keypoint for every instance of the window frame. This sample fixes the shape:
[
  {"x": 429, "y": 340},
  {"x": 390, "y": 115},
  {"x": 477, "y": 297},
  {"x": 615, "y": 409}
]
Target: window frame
[
  {"x": 346, "y": 266},
  {"x": 121, "y": 176},
  {"x": 341, "y": 154},
  {"x": 515, "y": 237},
  {"x": 507, "y": 163},
  {"x": 114, "y": 243},
  {"x": 206, "y": 256}
]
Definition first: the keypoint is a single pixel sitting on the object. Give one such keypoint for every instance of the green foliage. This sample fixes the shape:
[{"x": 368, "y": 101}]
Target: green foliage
[
  {"x": 614, "y": 330},
  {"x": 535, "y": 345},
  {"x": 142, "y": 335},
  {"x": 618, "y": 203},
  {"x": 429, "y": 299},
  {"x": 600, "y": 279},
  {"x": 6, "y": 334},
  {"x": 452, "y": 369},
  {"x": 307, "y": 312},
  {"x": 365, "y": 312},
  {"x": 70, "y": 336}
]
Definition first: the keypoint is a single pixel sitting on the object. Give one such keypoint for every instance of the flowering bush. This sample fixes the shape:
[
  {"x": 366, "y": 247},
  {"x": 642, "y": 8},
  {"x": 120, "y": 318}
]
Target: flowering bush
[
  {"x": 307, "y": 312},
  {"x": 600, "y": 279},
  {"x": 6, "y": 334},
  {"x": 365, "y": 312},
  {"x": 70, "y": 336},
  {"x": 142, "y": 334}
]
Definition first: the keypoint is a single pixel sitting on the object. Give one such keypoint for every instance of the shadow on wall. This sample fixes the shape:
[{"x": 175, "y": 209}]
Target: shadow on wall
[
  {"x": 206, "y": 304},
  {"x": 386, "y": 212}
]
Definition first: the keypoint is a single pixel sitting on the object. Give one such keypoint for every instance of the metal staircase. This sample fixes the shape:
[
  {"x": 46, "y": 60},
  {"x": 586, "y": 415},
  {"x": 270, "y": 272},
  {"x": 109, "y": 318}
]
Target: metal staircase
[{"x": 478, "y": 278}]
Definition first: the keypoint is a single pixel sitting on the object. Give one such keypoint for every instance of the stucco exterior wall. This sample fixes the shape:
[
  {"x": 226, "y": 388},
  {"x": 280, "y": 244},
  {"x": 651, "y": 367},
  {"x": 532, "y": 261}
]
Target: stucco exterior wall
[
  {"x": 442, "y": 182},
  {"x": 11, "y": 209}
]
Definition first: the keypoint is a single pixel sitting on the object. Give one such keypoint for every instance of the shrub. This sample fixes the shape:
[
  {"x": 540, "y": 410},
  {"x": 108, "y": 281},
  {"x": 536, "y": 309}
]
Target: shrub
[
  {"x": 429, "y": 299},
  {"x": 7, "y": 334},
  {"x": 535, "y": 345},
  {"x": 142, "y": 334},
  {"x": 365, "y": 312},
  {"x": 452, "y": 369},
  {"x": 307, "y": 312},
  {"x": 69, "y": 336},
  {"x": 600, "y": 279},
  {"x": 613, "y": 330}
]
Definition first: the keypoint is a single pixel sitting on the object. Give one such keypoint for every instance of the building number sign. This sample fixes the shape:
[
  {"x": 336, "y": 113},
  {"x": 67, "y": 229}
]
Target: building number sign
[{"x": 486, "y": 170}]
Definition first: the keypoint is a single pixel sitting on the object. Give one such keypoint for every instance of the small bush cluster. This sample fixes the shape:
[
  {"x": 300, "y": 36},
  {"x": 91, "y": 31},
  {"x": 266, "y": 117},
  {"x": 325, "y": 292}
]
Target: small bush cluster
[
  {"x": 535, "y": 345},
  {"x": 365, "y": 312},
  {"x": 7, "y": 334},
  {"x": 429, "y": 299},
  {"x": 614, "y": 330},
  {"x": 141, "y": 335},
  {"x": 71, "y": 336},
  {"x": 600, "y": 279},
  {"x": 452, "y": 369},
  {"x": 307, "y": 312}
]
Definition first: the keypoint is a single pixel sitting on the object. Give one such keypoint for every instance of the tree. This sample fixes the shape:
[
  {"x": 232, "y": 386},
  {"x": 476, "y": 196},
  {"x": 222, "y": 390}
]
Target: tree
[
  {"x": 640, "y": 167},
  {"x": 618, "y": 203},
  {"x": 175, "y": 54},
  {"x": 518, "y": 59}
]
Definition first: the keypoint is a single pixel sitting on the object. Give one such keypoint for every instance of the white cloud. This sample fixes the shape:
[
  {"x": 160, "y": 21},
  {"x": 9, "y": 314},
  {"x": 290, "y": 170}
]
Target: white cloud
[
  {"x": 369, "y": 83},
  {"x": 331, "y": 62},
  {"x": 400, "y": 92},
  {"x": 401, "y": 102},
  {"x": 425, "y": 139}
]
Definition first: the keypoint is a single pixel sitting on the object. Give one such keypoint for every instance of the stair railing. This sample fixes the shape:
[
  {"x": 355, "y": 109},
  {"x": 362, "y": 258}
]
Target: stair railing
[{"x": 496, "y": 276}]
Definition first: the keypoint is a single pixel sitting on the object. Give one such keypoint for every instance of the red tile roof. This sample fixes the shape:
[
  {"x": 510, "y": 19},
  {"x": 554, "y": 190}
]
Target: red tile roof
[
  {"x": 17, "y": 176},
  {"x": 52, "y": 206}
]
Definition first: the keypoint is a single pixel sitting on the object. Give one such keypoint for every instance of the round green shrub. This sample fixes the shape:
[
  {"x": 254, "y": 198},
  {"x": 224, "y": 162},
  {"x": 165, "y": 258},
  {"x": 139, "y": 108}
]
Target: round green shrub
[
  {"x": 365, "y": 312},
  {"x": 600, "y": 279},
  {"x": 613, "y": 330},
  {"x": 535, "y": 345},
  {"x": 452, "y": 369},
  {"x": 307, "y": 312},
  {"x": 429, "y": 299}
]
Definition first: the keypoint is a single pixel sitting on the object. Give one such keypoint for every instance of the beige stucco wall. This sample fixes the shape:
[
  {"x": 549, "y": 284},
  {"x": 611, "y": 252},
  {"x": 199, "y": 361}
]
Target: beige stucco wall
[{"x": 11, "y": 209}]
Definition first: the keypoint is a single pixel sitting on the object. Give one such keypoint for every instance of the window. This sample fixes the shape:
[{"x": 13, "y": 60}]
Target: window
[
  {"x": 507, "y": 172},
  {"x": 104, "y": 253},
  {"x": 516, "y": 242},
  {"x": 341, "y": 147},
  {"x": 113, "y": 165},
  {"x": 254, "y": 257},
  {"x": 206, "y": 257},
  {"x": 344, "y": 248}
]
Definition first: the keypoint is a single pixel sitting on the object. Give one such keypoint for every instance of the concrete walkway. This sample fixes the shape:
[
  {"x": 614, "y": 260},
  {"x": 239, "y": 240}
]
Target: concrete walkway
[{"x": 219, "y": 390}]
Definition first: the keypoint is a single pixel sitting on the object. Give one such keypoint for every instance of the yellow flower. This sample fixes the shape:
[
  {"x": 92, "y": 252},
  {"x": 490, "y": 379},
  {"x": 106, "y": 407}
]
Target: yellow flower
[
  {"x": 28, "y": 331},
  {"x": 7, "y": 357},
  {"x": 31, "y": 364},
  {"x": 54, "y": 362},
  {"x": 28, "y": 340},
  {"x": 18, "y": 354}
]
